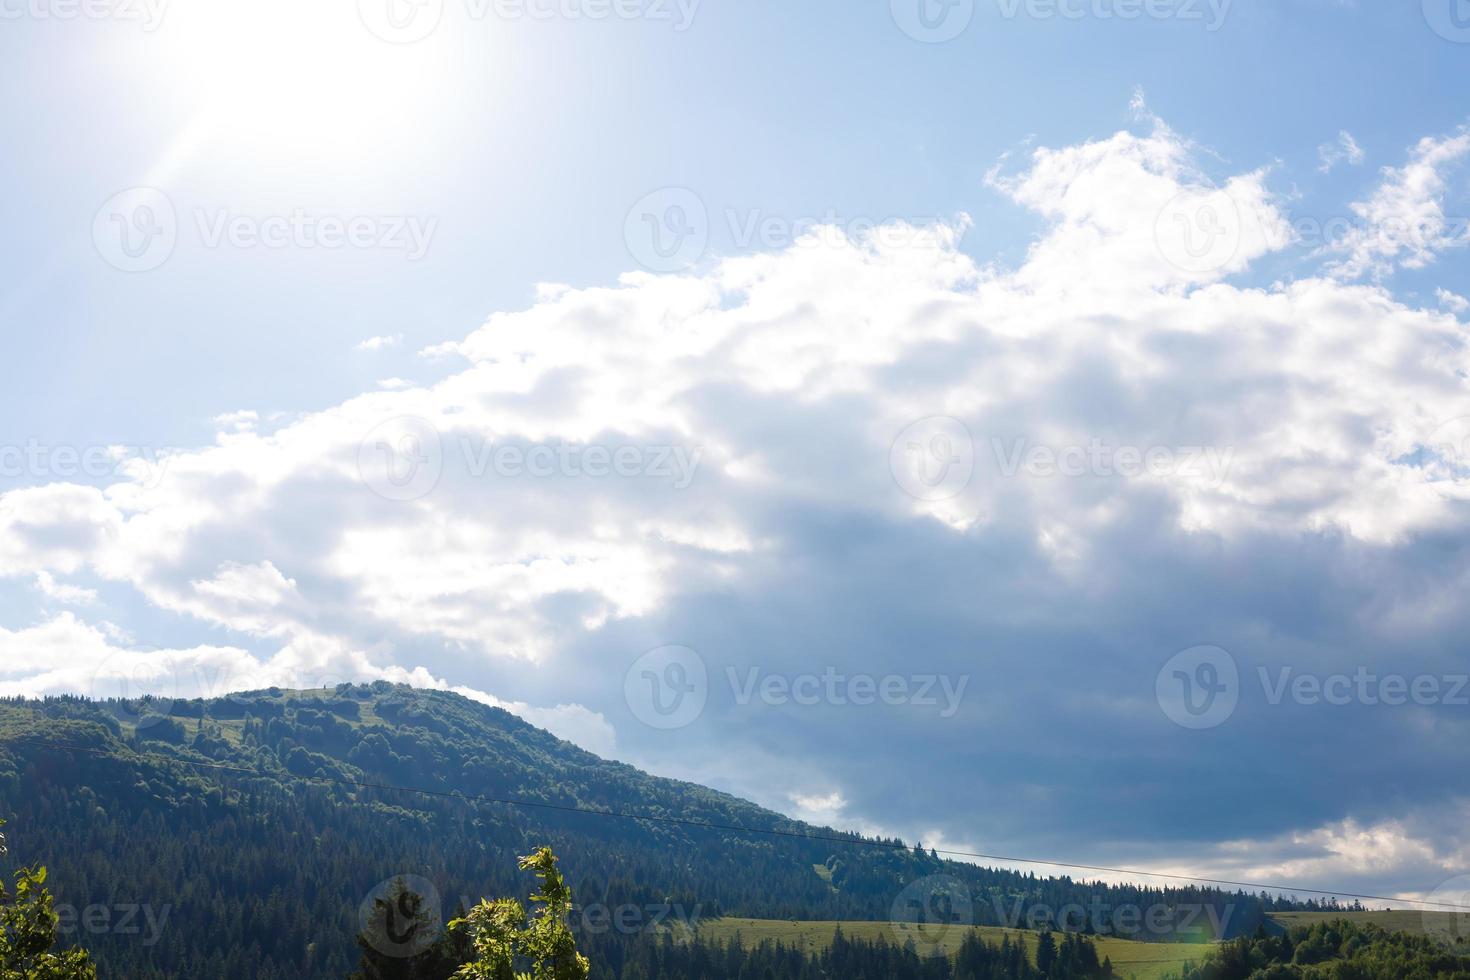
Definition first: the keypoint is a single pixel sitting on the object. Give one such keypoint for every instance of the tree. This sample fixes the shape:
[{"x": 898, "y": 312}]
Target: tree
[
  {"x": 501, "y": 933},
  {"x": 1046, "y": 953},
  {"x": 400, "y": 940},
  {"x": 28, "y": 931}
]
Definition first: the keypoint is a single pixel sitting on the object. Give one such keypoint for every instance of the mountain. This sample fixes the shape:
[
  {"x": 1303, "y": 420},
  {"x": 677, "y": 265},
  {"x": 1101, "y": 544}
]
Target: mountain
[{"x": 239, "y": 837}]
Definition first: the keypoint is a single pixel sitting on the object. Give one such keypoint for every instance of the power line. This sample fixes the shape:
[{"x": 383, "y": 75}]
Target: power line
[{"x": 733, "y": 828}]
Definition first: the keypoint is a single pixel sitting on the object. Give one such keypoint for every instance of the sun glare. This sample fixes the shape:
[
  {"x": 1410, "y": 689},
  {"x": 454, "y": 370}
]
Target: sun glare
[{"x": 297, "y": 77}]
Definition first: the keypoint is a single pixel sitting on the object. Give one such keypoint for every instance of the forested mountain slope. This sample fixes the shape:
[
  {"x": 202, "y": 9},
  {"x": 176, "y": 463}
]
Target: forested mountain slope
[{"x": 249, "y": 830}]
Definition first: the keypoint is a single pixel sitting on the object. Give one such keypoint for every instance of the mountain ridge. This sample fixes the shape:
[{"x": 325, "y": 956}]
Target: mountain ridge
[{"x": 305, "y": 787}]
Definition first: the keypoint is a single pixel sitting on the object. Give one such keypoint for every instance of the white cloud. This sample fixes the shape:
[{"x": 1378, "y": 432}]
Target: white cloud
[
  {"x": 573, "y": 722},
  {"x": 824, "y": 811},
  {"x": 1115, "y": 205},
  {"x": 234, "y": 422},
  {"x": 1453, "y": 302},
  {"x": 61, "y": 592},
  {"x": 1345, "y": 150},
  {"x": 1409, "y": 858},
  {"x": 380, "y": 343},
  {"x": 851, "y": 323},
  {"x": 58, "y": 527},
  {"x": 1307, "y": 411},
  {"x": 66, "y": 655},
  {"x": 247, "y": 598},
  {"x": 1404, "y": 223}
]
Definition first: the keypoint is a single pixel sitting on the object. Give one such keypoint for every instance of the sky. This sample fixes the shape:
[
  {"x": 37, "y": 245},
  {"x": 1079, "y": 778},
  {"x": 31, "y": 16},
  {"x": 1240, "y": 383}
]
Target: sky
[{"x": 1039, "y": 428}]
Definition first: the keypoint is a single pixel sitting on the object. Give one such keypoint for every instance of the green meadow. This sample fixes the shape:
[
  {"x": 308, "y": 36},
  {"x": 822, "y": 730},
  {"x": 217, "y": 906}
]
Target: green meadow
[
  {"x": 1131, "y": 959},
  {"x": 1439, "y": 924}
]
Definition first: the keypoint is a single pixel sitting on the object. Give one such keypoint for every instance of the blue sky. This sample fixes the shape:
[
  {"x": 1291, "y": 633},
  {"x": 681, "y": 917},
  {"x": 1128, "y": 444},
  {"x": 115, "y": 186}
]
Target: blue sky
[
  {"x": 1306, "y": 514},
  {"x": 530, "y": 140}
]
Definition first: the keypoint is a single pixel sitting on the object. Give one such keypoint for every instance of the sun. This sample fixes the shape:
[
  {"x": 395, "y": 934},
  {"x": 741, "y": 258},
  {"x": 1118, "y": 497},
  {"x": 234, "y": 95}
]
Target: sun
[{"x": 296, "y": 78}]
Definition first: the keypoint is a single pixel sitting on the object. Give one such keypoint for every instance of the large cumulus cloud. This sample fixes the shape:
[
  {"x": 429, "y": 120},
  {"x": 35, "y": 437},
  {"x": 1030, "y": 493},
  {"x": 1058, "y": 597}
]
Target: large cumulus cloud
[{"x": 1158, "y": 455}]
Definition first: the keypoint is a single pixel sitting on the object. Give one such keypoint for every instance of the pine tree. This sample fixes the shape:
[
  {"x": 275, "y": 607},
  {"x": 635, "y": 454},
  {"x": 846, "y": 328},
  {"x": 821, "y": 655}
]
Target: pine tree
[
  {"x": 1046, "y": 953},
  {"x": 400, "y": 940},
  {"x": 28, "y": 931}
]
